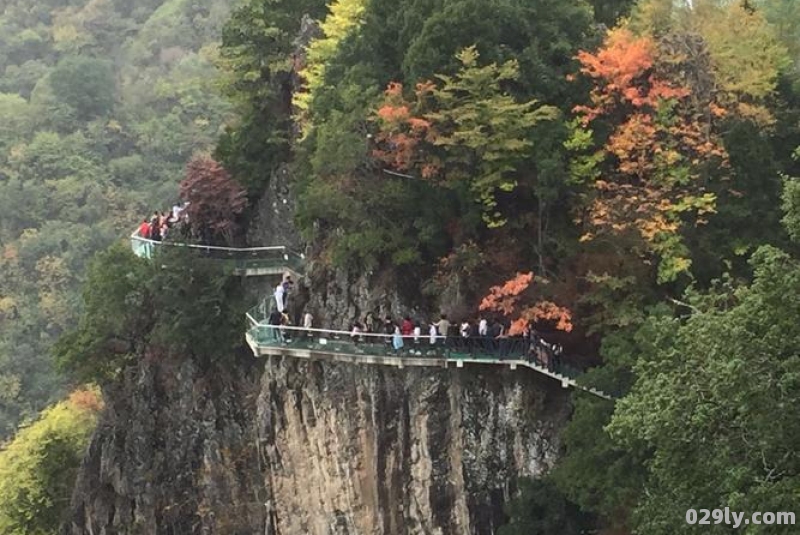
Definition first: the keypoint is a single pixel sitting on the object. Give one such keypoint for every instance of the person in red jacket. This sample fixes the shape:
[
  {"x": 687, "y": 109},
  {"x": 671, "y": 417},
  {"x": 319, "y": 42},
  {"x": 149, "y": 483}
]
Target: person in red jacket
[
  {"x": 407, "y": 327},
  {"x": 144, "y": 230}
]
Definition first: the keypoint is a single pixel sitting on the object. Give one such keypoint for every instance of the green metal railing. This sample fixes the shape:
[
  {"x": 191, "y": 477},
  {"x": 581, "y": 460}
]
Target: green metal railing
[
  {"x": 383, "y": 345},
  {"x": 252, "y": 259},
  {"x": 470, "y": 349}
]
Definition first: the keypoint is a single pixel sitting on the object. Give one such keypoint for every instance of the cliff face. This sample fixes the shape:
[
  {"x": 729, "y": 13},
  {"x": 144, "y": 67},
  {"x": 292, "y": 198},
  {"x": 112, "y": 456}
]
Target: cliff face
[{"x": 298, "y": 448}]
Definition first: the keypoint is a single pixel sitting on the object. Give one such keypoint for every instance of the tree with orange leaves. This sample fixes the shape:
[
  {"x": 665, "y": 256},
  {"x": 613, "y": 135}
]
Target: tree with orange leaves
[
  {"x": 506, "y": 300},
  {"x": 647, "y": 175},
  {"x": 464, "y": 129}
]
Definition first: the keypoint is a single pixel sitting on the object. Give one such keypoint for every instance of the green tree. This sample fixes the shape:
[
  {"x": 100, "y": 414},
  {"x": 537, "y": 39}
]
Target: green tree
[
  {"x": 135, "y": 307},
  {"x": 791, "y": 205},
  {"x": 345, "y": 17},
  {"x": 115, "y": 325},
  {"x": 483, "y": 132},
  {"x": 713, "y": 404},
  {"x": 257, "y": 44},
  {"x": 86, "y": 84},
  {"x": 38, "y": 467}
]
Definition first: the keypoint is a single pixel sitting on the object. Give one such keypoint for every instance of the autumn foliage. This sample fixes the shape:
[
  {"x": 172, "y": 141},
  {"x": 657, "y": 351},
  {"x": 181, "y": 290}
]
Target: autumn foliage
[
  {"x": 506, "y": 300},
  {"x": 87, "y": 399},
  {"x": 215, "y": 199},
  {"x": 648, "y": 174},
  {"x": 403, "y": 134},
  {"x": 463, "y": 129}
]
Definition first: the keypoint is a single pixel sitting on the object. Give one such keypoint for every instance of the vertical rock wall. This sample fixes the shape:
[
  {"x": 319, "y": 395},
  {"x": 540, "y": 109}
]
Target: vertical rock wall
[
  {"x": 357, "y": 450},
  {"x": 314, "y": 448}
]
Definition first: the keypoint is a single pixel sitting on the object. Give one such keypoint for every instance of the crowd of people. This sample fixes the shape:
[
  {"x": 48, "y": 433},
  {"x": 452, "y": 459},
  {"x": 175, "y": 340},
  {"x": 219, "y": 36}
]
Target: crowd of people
[
  {"x": 163, "y": 224},
  {"x": 408, "y": 336}
]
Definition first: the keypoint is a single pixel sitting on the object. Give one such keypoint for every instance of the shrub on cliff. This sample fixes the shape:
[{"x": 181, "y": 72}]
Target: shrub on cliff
[
  {"x": 38, "y": 468},
  {"x": 541, "y": 509},
  {"x": 177, "y": 303}
]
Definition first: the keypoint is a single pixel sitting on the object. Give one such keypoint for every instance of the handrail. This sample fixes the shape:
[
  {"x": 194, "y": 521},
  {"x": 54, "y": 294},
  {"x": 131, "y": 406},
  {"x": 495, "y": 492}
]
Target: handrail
[
  {"x": 415, "y": 350},
  {"x": 385, "y": 336},
  {"x": 512, "y": 350},
  {"x": 282, "y": 248}
]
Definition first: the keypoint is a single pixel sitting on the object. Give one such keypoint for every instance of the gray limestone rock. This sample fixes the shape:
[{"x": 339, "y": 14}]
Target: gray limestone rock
[{"x": 293, "y": 447}]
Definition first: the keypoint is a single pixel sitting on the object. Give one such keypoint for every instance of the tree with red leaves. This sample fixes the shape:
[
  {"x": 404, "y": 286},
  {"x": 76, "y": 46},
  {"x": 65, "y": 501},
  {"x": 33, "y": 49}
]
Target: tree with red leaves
[
  {"x": 464, "y": 129},
  {"x": 215, "y": 200},
  {"x": 506, "y": 299}
]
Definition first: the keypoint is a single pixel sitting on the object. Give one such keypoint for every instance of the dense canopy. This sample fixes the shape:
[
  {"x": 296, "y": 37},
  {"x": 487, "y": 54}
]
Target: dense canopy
[{"x": 617, "y": 174}]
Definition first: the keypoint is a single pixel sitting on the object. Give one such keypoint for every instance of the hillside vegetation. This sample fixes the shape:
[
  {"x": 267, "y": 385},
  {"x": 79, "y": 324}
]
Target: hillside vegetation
[
  {"x": 102, "y": 102},
  {"x": 617, "y": 174}
]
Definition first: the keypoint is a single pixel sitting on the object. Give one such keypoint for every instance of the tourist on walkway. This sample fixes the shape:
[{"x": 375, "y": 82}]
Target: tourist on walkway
[
  {"x": 308, "y": 322},
  {"x": 274, "y": 322},
  {"x": 443, "y": 326},
  {"x": 144, "y": 229},
  {"x": 397, "y": 339},
  {"x": 558, "y": 350},
  {"x": 406, "y": 328},
  {"x": 280, "y": 293},
  {"x": 370, "y": 322},
  {"x": 417, "y": 335},
  {"x": 465, "y": 343},
  {"x": 355, "y": 334},
  {"x": 285, "y": 322},
  {"x": 483, "y": 327},
  {"x": 155, "y": 227},
  {"x": 388, "y": 329}
]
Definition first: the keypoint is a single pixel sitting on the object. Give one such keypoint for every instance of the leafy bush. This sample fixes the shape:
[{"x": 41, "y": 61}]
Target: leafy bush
[
  {"x": 175, "y": 304},
  {"x": 86, "y": 84},
  {"x": 38, "y": 468}
]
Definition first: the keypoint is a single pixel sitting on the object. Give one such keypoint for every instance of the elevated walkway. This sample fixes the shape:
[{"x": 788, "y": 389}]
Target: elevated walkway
[
  {"x": 366, "y": 348},
  {"x": 247, "y": 262},
  {"x": 369, "y": 348}
]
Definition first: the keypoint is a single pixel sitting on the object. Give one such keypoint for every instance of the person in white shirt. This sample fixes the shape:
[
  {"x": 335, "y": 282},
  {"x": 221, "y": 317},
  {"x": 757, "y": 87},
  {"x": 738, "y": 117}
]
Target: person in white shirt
[
  {"x": 355, "y": 334},
  {"x": 483, "y": 327},
  {"x": 280, "y": 292},
  {"x": 308, "y": 320},
  {"x": 465, "y": 329}
]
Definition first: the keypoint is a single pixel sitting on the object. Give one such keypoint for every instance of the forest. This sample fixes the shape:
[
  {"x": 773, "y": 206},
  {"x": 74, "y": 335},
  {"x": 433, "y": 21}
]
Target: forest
[
  {"x": 102, "y": 104},
  {"x": 622, "y": 174}
]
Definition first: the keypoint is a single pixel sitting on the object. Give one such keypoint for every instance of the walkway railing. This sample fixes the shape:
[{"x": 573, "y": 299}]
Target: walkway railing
[
  {"x": 246, "y": 261},
  {"x": 267, "y": 339}
]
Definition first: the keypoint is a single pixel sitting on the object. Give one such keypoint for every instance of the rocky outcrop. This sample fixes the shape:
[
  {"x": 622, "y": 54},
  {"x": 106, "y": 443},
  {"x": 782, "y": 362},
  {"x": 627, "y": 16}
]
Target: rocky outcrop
[
  {"x": 173, "y": 454},
  {"x": 290, "y": 447},
  {"x": 365, "y": 449}
]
